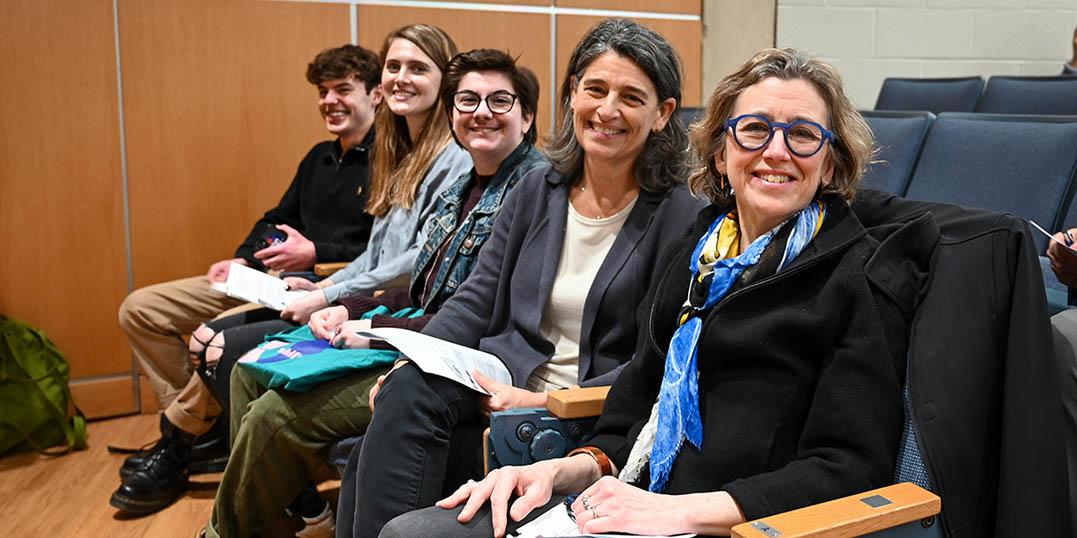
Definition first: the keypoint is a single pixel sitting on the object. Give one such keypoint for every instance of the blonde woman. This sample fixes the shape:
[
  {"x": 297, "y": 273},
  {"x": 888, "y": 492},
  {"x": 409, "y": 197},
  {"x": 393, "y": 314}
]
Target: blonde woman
[{"x": 413, "y": 161}]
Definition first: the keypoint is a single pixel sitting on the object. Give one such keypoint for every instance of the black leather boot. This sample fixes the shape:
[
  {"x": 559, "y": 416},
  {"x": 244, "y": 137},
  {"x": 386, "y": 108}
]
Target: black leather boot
[
  {"x": 161, "y": 477},
  {"x": 209, "y": 454}
]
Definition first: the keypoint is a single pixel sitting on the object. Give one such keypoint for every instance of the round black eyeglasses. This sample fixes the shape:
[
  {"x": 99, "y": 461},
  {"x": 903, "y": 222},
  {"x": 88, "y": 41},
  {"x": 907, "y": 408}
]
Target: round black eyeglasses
[
  {"x": 804, "y": 138},
  {"x": 499, "y": 102}
]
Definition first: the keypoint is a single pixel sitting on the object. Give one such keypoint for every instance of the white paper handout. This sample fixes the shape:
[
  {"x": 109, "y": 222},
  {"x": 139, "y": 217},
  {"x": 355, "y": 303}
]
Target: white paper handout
[
  {"x": 446, "y": 359},
  {"x": 1051, "y": 236},
  {"x": 257, "y": 287},
  {"x": 556, "y": 523}
]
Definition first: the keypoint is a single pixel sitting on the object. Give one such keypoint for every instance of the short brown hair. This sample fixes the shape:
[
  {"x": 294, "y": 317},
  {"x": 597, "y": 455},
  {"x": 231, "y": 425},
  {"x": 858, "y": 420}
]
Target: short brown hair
[
  {"x": 524, "y": 81},
  {"x": 852, "y": 149},
  {"x": 344, "y": 61}
]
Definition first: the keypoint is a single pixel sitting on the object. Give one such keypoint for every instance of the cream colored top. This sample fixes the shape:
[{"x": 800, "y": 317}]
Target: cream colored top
[{"x": 587, "y": 241}]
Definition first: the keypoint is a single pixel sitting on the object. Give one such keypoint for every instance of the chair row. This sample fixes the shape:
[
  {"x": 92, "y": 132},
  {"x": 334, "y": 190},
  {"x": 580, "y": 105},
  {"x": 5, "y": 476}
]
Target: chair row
[
  {"x": 1018, "y": 164},
  {"x": 1000, "y": 95}
]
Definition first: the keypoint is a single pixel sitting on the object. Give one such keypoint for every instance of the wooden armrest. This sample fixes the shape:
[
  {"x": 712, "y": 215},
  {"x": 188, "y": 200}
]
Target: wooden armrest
[
  {"x": 849, "y": 516},
  {"x": 327, "y": 269},
  {"x": 577, "y": 402}
]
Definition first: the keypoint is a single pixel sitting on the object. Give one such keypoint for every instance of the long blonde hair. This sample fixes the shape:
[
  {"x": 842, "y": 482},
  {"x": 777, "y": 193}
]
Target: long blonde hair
[{"x": 399, "y": 166}]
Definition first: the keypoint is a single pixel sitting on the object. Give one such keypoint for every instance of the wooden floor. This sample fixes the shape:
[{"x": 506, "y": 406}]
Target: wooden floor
[{"x": 67, "y": 496}]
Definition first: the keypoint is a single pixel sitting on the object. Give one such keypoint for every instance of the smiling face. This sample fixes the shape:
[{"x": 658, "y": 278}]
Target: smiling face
[
  {"x": 409, "y": 80},
  {"x": 347, "y": 108},
  {"x": 772, "y": 183},
  {"x": 489, "y": 137},
  {"x": 615, "y": 108}
]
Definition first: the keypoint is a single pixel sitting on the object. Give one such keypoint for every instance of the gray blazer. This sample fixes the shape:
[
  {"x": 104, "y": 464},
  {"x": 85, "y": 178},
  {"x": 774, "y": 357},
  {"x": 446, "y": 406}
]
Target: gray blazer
[{"x": 499, "y": 307}]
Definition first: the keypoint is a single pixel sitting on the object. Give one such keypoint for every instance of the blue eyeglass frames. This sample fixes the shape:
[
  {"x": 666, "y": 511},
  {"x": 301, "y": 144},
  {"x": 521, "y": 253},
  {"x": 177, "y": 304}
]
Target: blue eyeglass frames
[{"x": 804, "y": 138}]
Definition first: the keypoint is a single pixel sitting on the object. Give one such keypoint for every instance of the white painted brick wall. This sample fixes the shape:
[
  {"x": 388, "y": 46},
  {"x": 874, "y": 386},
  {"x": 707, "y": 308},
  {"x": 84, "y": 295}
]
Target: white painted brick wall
[
  {"x": 923, "y": 33},
  {"x": 870, "y": 40},
  {"x": 849, "y": 31}
]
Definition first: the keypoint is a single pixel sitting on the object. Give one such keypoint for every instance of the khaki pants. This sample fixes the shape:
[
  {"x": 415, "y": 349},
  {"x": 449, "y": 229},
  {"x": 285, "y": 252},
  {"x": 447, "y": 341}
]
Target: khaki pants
[
  {"x": 156, "y": 317},
  {"x": 195, "y": 409}
]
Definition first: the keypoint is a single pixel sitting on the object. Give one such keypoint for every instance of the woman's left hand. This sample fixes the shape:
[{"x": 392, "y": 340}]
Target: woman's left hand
[
  {"x": 610, "y": 505},
  {"x": 301, "y": 309},
  {"x": 503, "y": 397},
  {"x": 346, "y": 337}
]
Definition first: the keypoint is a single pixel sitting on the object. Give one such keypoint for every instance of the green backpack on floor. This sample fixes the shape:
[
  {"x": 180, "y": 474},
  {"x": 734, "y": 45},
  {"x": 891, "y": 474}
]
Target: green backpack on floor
[{"x": 36, "y": 410}]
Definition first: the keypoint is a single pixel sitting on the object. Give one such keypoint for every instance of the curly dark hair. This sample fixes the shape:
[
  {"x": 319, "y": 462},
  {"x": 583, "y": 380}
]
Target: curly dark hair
[{"x": 344, "y": 61}]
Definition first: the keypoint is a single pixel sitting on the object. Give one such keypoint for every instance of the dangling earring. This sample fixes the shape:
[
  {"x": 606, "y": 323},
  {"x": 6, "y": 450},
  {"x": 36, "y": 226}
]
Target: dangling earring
[{"x": 725, "y": 188}]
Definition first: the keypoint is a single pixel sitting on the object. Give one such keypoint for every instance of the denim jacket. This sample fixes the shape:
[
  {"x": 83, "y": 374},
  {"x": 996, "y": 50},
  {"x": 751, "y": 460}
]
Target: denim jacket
[{"x": 468, "y": 237}]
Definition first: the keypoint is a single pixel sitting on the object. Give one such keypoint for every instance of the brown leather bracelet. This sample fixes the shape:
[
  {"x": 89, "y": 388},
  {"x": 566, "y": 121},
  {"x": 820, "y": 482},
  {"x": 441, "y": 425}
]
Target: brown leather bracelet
[{"x": 605, "y": 466}]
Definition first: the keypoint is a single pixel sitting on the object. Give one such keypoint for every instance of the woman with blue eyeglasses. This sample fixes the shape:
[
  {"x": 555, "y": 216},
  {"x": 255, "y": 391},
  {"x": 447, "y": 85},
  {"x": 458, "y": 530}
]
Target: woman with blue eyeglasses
[{"x": 767, "y": 374}]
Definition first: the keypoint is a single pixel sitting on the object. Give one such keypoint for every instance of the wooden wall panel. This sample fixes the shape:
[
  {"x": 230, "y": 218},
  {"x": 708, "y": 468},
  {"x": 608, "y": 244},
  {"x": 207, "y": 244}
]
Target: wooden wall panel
[
  {"x": 519, "y": 34},
  {"x": 685, "y": 36},
  {"x": 733, "y": 31},
  {"x": 692, "y": 7},
  {"x": 219, "y": 113},
  {"x": 515, "y": 2},
  {"x": 108, "y": 396},
  {"x": 61, "y": 205}
]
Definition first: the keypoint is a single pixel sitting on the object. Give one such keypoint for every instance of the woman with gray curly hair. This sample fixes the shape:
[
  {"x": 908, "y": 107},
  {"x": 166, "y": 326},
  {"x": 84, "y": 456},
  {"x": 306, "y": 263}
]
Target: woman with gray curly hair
[
  {"x": 768, "y": 370},
  {"x": 571, "y": 252}
]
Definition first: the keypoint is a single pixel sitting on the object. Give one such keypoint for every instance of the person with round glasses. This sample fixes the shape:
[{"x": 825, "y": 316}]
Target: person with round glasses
[
  {"x": 767, "y": 374},
  {"x": 803, "y": 138},
  {"x": 499, "y": 102}
]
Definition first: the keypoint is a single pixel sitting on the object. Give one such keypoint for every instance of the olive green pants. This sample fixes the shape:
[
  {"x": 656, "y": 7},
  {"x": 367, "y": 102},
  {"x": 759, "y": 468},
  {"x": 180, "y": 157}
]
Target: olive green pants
[{"x": 279, "y": 439}]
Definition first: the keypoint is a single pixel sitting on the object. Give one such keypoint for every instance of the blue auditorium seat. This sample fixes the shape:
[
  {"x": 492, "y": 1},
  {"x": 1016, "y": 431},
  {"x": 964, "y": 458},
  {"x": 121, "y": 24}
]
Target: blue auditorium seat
[
  {"x": 1030, "y": 95},
  {"x": 931, "y": 94},
  {"x": 899, "y": 137},
  {"x": 1024, "y": 165}
]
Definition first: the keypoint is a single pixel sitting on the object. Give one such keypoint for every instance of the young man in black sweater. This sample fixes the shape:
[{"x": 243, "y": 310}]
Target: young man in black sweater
[{"x": 320, "y": 218}]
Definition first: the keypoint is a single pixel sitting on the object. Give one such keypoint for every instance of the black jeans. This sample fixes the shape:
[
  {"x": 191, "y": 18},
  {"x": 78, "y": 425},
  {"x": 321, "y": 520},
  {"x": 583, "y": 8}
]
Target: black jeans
[
  {"x": 434, "y": 521},
  {"x": 241, "y": 333},
  {"x": 425, "y": 439}
]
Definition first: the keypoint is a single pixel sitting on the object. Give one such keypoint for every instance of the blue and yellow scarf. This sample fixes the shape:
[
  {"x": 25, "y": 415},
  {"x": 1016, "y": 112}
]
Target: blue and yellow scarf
[{"x": 715, "y": 267}]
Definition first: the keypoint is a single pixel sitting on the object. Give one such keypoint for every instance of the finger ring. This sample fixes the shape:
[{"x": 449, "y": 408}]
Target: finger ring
[
  {"x": 594, "y": 512},
  {"x": 586, "y": 502}
]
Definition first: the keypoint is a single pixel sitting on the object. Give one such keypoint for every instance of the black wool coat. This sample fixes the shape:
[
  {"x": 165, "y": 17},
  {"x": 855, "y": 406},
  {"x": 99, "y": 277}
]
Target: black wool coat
[{"x": 799, "y": 376}]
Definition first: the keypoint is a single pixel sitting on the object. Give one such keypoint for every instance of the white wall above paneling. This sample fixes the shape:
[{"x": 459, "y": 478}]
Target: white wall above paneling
[{"x": 870, "y": 40}]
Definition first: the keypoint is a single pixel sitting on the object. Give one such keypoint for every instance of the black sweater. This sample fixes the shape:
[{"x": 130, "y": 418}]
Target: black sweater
[
  {"x": 799, "y": 394},
  {"x": 325, "y": 203}
]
